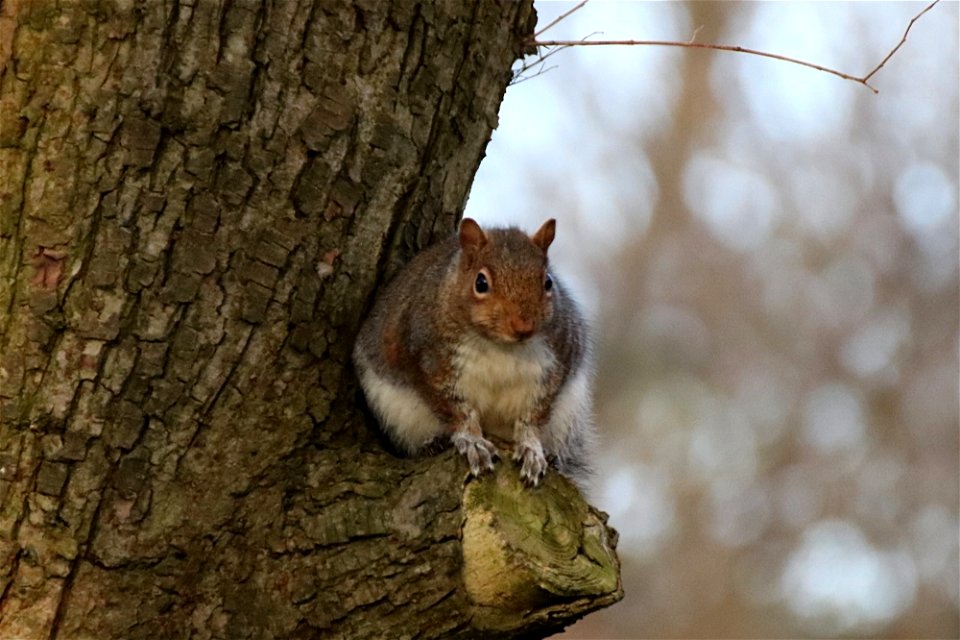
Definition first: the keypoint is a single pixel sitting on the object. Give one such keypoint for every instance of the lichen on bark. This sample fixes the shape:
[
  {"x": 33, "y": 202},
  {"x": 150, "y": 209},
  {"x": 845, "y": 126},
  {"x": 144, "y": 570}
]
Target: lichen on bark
[{"x": 532, "y": 555}]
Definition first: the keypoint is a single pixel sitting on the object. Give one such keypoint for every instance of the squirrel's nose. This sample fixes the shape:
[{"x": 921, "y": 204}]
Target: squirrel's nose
[{"x": 522, "y": 327}]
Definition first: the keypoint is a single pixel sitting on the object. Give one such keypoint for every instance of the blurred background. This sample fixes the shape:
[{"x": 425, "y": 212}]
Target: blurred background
[{"x": 770, "y": 257}]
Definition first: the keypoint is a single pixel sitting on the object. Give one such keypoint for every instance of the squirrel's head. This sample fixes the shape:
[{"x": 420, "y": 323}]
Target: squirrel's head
[{"x": 503, "y": 278}]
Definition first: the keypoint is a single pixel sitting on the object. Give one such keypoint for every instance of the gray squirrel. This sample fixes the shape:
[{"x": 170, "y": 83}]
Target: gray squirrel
[{"x": 474, "y": 338}]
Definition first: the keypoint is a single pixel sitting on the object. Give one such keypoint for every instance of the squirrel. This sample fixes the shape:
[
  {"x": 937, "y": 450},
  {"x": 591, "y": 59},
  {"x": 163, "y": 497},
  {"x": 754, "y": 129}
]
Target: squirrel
[{"x": 476, "y": 337}]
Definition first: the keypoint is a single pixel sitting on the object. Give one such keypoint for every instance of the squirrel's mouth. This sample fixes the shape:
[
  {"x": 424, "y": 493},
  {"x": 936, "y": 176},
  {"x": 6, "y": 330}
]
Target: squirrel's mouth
[{"x": 512, "y": 336}]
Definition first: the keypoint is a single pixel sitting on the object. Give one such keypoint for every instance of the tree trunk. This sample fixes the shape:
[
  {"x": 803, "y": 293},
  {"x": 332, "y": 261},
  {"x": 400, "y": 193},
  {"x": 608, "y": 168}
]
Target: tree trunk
[{"x": 197, "y": 202}]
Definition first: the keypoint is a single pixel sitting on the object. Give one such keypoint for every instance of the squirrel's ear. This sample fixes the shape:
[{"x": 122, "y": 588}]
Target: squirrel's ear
[
  {"x": 472, "y": 237},
  {"x": 544, "y": 235}
]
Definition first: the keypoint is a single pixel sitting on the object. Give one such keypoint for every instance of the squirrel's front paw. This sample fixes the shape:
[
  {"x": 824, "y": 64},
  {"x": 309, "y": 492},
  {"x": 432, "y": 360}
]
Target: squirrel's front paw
[
  {"x": 479, "y": 451},
  {"x": 533, "y": 464}
]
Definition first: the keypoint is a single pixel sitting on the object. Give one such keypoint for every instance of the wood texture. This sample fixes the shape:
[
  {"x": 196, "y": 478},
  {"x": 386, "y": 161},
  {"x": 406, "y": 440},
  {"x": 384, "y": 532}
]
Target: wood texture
[{"x": 197, "y": 202}]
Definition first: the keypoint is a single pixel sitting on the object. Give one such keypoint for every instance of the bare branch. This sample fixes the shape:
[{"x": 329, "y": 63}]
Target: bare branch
[
  {"x": 899, "y": 44},
  {"x": 697, "y": 45},
  {"x": 864, "y": 80},
  {"x": 537, "y": 34},
  {"x": 518, "y": 76},
  {"x": 696, "y": 32}
]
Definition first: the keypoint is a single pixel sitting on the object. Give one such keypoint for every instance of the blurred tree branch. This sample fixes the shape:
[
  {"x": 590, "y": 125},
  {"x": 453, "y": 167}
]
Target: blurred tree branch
[{"x": 534, "y": 43}]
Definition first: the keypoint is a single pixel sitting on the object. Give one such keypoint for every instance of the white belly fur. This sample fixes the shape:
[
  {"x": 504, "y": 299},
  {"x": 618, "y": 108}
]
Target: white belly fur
[
  {"x": 502, "y": 381},
  {"x": 409, "y": 421},
  {"x": 572, "y": 410}
]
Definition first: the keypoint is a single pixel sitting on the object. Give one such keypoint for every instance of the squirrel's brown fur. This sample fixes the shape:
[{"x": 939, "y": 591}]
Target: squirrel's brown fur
[{"x": 470, "y": 339}]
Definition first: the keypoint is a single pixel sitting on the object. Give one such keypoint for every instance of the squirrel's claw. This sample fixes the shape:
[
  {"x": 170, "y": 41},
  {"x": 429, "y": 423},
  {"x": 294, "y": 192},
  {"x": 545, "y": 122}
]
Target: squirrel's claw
[
  {"x": 533, "y": 464},
  {"x": 479, "y": 451}
]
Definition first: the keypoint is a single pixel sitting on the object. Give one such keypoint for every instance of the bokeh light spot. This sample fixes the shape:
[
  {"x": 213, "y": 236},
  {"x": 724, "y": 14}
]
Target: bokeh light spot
[
  {"x": 833, "y": 418},
  {"x": 835, "y": 579}
]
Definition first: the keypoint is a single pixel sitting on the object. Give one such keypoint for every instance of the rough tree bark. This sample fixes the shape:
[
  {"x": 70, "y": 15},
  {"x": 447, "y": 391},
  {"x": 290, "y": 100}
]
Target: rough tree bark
[{"x": 197, "y": 201}]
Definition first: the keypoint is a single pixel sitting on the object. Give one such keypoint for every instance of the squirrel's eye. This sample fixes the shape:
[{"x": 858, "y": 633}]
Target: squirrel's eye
[
  {"x": 548, "y": 283},
  {"x": 480, "y": 285}
]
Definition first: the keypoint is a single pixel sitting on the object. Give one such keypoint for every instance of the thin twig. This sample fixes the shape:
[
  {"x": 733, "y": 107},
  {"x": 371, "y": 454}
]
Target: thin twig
[
  {"x": 695, "y": 33},
  {"x": 697, "y": 45},
  {"x": 541, "y": 61},
  {"x": 579, "y": 6},
  {"x": 517, "y": 79},
  {"x": 900, "y": 44},
  {"x": 864, "y": 80}
]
